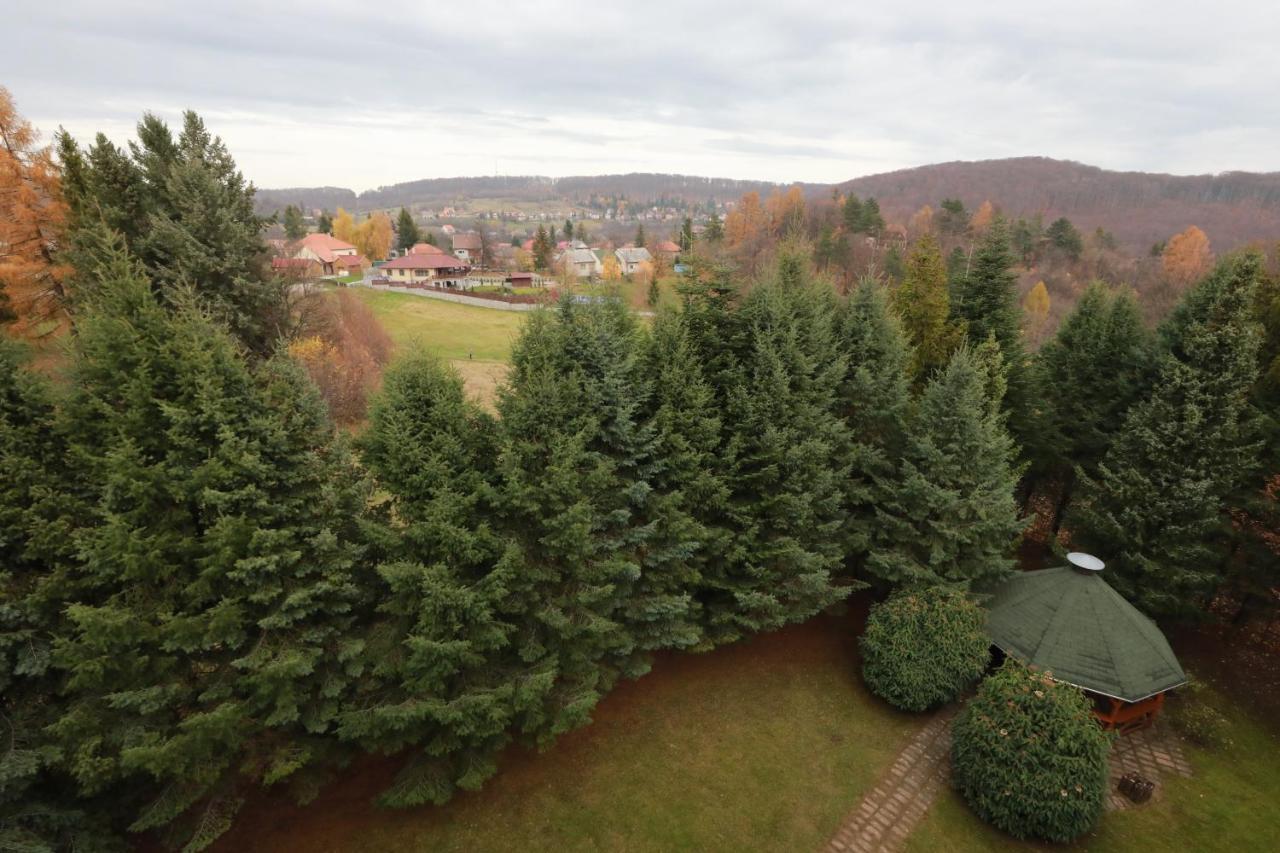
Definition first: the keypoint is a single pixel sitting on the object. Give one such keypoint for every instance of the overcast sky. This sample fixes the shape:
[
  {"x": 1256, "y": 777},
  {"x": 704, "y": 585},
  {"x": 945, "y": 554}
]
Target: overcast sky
[{"x": 360, "y": 95}]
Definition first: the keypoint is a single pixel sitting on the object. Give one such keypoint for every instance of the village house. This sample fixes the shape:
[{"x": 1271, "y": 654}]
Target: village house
[
  {"x": 630, "y": 258},
  {"x": 425, "y": 249},
  {"x": 667, "y": 250},
  {"x": 582, "y": 263},
  {"x": 424, "y": 267},
  {"x": 326, "y": 250},
  {"x": 467, "y": 247}
]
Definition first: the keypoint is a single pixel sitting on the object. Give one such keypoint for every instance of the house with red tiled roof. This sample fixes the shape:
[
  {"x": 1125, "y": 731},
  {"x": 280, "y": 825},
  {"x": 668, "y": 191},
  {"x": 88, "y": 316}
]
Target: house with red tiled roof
[
  {"x": 427, "y": 266},
  {"x": 667, "y": 247},
  {"x": 425, "y": 249},
  {"x": 325, "y": 250}
]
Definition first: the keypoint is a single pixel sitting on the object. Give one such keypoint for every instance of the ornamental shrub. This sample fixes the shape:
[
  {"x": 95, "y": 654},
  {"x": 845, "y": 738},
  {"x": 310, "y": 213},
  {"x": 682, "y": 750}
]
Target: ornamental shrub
[
  {"x": 923, "y": 646},
  {"x": 1029, "y": 757}
]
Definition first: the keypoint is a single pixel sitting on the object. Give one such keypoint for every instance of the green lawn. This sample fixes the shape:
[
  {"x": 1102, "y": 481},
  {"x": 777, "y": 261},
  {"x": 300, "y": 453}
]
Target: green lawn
[
  {"x": 451, "y": 330},
  {"x": 764, "y": 745},
  {"x": 1230, "y": 803}
]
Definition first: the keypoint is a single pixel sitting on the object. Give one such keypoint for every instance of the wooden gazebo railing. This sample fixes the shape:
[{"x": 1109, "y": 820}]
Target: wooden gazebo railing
[{"x": 1125, "y": 717}]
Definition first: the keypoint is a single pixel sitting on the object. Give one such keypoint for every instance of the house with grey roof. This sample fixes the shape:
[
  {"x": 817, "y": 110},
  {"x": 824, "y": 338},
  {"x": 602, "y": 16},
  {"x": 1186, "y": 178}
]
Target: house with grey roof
[{"x": 630, "y": 258}]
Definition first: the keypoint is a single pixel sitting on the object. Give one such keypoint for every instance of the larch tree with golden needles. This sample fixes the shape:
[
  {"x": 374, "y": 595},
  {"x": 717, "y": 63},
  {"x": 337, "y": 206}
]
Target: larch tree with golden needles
[
  {"x": 982, "y": 217},
  {"x": 32, "y": 218},
  {"x": 921, "y": 222},
  {"x": 1186, "y": 257},
  {"x": 1035, "y": 306}
]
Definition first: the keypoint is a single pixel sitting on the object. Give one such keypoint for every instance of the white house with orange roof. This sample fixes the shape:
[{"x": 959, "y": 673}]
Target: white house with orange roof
[{"x": 334, "y": 256}]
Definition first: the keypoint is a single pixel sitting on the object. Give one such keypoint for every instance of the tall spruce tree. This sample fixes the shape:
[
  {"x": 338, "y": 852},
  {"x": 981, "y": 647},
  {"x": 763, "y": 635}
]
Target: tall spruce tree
[
  {"x": 187, "y": 214},
  {"x": 874, "y": 399},
  {"x": 787, "y": 457},
  {"x": 407, "y": 233},
  {"x": 38, "y": 810},
  {"x": 575, "y": 467},
  {"x": 1156, "y": 509},
  {"x": 438, "y": 677},
  {"x": 924, "y": 304},
  {"x": 294, "y": 227},
  {"x": 1096, "y": 366},
  {"x": 985, "y": 300},
  {"x": 953, "y": 518},
  {"x": 691, "y": 496},
  {"x": 210, "y": 606}
]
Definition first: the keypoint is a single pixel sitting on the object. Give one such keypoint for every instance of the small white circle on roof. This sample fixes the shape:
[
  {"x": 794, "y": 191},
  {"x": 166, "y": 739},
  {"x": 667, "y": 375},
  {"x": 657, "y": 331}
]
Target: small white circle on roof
[{"x": 1085, "y": 561}]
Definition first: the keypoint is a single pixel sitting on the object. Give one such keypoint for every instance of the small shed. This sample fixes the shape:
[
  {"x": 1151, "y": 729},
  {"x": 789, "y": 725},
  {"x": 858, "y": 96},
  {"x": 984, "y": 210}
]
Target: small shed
[{"x": 1069, "y": 622}]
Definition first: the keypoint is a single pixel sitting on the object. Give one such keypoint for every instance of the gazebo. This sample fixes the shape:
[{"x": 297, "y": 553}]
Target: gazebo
[{"x": 1069, "y": 622}]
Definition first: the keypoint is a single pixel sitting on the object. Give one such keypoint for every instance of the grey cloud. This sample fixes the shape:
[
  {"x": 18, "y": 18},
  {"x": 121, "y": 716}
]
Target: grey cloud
[{"x": 322, "y": 92}]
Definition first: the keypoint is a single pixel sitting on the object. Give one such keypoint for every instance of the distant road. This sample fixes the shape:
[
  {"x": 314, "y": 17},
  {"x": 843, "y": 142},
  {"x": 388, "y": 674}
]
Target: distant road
[{"x": 451, "y": 297}]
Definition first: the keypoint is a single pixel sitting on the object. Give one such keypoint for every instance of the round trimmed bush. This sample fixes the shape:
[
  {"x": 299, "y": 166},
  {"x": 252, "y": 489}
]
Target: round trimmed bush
[
  {"x": 922, "y": 647},
  {"x": 1029, "y": 757}
]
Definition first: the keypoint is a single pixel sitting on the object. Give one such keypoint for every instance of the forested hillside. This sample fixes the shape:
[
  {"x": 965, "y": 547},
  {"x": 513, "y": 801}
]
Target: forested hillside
[
  {"x": 434, "y": 191},
  {"x": 1139, "y": 208}
]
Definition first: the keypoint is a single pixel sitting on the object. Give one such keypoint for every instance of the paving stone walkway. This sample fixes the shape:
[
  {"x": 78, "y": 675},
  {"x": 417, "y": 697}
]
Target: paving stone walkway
[
  {"x": 884, "y": 819},
  {"x": 1154, "y": 753},
  {"x": 887, "y": 814}
]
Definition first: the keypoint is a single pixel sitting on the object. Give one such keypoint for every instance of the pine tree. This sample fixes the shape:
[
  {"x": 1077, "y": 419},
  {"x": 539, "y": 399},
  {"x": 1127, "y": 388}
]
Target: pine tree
[
  {"x": 953, "y": 518},
  {"x": 686, "y": 235},
  {"x": 37, "y": 809},
  {"x": 568, "y": 229},
  {"x": 640, "y": 236},
  {"x": 873, "y": 401},
  {"x": 1156, "y": 510},
  {"x": 923, "y": 303},
  {"x": 209, "y": 631},
  {"x": 787, "y": 459},
  {"x": 439, "y": 678},
  {"x": 187, "y": 214},
  {"x": 986, "y": 301},
  {"x": 407, "y": 233},
  {"x": 1095, "y": 367},
  {"x": 851, "y": 213},
  {"x": 542, "y": 247},
  {"x": 690, "y": 498},
  {"x": 324, "y": 225},
  {"x": 714, "y": 231},
  {"x": 294, "y": 227},
  {"x": 576, "y": 462},
  {"x": 872, "y": 222}
]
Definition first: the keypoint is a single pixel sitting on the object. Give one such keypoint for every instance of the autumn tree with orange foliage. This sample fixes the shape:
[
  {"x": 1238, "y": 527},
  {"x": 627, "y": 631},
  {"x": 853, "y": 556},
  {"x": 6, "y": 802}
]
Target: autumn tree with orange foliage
[
  {"x": 786, "y": 211},
  {"x": 982, "y": 217},
  {"x": 746, "y": 229},
  {"x": 1186, "y": 257},
  {"x": 921, "y": 222},
  {"x": 344, "y": 352},
  {"x": 32, "y": 218}
]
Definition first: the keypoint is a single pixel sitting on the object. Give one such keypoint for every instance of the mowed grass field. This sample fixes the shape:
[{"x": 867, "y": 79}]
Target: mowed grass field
[
  {"x": 1231, "y": 803},
  {"x": 763, "y": 745},
  {"x": 476, "y": 341}
]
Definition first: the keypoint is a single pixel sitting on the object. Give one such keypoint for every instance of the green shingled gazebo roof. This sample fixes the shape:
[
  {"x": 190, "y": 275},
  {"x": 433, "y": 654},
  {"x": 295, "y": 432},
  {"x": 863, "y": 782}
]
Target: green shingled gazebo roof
[{"x": 1070, "y": 622}]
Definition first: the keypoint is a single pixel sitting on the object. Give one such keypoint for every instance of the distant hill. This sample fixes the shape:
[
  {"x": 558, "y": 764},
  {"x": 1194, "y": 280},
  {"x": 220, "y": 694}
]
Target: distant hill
[
  {"x": 1139, "y": 208},
  {"x": 441, "y": 191}
]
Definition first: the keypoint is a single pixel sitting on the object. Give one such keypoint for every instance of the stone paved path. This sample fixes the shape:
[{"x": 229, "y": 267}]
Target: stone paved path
[
  {"x": 884, "y": 819},
  {"x": 1154, "y": 753},
  {"x": 887, "y": 814}
]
